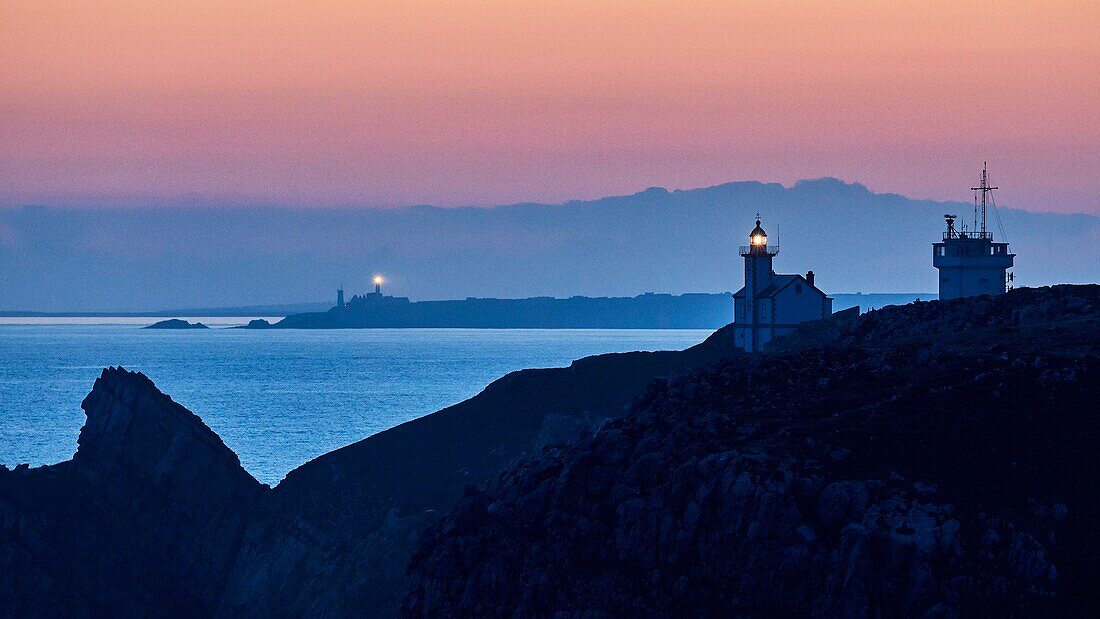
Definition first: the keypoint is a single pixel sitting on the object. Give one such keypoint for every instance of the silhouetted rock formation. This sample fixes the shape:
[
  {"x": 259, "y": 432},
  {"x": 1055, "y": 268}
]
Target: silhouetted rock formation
[
  {"x": 155, "y": 516},
  {"x": 176, "y": 323},
  {"x": 936, "y": 459},
  {"x": 973, "y": 320},
  {"x": 145, "y": 519},
  {"x": 342, "y": 527},
  {"x": 936, "y": 467}
]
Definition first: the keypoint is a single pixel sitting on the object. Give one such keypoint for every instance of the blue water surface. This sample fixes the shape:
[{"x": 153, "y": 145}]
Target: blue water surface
[{"x": 277, "y": 398}]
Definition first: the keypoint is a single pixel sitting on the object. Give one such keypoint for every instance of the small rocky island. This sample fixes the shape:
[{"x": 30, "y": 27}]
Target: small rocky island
[
  {"x": 929, "y": 460},
  {"x": 176, "y": 323}
]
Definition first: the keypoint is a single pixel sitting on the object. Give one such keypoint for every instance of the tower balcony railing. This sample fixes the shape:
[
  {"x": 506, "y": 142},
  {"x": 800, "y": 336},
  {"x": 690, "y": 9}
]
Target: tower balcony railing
[
  {"x": 966, "y": 235},
  {"x": 758, "y": 250}
]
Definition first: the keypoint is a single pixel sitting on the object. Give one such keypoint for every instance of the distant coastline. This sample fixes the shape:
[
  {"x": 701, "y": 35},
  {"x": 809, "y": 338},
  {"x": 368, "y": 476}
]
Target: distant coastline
[
  {"x": 646, "y": 311},
  {"x": 697, "y": 310}
]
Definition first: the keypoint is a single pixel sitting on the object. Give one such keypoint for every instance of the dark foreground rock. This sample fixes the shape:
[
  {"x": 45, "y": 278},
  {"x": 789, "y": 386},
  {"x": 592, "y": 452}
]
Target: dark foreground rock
[
  {"x": 942, "y": 468},
  {"x": 176, "y": 323},
  {"x": 155, "y": 517},
  {"x": 146, "y": 519},
  {"x": 932, "y": 460}
]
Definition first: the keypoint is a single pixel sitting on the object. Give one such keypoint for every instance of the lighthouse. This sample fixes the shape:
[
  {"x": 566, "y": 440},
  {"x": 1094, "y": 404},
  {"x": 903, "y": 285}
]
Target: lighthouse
[
  {"x": 769, "y": 304},
  {"x": 970, "y": 263}
]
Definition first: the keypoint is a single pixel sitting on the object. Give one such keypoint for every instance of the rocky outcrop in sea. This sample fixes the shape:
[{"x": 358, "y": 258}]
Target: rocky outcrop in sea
[{"x": 176, "y": 323}]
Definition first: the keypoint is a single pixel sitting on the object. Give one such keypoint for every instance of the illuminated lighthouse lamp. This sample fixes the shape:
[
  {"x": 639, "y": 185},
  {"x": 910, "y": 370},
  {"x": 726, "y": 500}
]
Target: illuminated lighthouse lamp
[
  {"x": 758, "y": 243},
  {"x": 758, "y": 238},
  {"x": 378, "y": 279}
]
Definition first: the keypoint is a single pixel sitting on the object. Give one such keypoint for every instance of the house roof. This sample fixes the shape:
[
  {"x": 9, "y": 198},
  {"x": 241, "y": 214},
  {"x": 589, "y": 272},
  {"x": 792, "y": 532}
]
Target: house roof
[{"x": 778, "y": 283}]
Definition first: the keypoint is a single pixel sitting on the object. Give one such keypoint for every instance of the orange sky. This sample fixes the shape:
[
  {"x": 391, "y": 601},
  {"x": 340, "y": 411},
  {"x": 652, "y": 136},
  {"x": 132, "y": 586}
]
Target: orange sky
[{"x": 384, "y": 103}]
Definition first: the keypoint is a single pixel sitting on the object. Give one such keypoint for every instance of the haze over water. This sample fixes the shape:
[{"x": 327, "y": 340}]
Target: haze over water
[{"x": 277, "y": 398}]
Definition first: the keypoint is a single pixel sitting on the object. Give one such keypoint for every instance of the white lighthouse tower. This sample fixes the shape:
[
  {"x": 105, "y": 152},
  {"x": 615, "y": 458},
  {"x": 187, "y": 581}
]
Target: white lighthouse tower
[
  {"x": 758, "y": 276},
  {"x": 769, "y": 304},
  {"x": 969, "y": 262}
]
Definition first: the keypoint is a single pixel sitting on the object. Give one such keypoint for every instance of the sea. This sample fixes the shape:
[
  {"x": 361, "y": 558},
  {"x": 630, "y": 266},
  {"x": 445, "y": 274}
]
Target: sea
[{"x": 278, "y": 398}]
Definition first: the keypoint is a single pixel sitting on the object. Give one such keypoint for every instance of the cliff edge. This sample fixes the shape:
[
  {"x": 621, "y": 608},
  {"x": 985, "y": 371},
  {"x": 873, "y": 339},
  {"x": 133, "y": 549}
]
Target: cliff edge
[
  {"x": 929, "y": 460},
  {"x": 146, "y": 519},
  {"x": 154, "y": 515}
]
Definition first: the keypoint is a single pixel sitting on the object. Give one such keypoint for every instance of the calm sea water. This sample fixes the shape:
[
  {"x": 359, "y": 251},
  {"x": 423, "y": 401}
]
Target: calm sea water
[{"x": 277, "y": 398}]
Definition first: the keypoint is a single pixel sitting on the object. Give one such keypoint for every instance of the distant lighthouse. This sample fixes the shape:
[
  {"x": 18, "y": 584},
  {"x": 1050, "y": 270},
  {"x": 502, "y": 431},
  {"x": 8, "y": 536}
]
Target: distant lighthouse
[
  {"x": 969, "y": 262},
  {"x": 378, "y": 281},
  {"x": 769, "y": 304}
]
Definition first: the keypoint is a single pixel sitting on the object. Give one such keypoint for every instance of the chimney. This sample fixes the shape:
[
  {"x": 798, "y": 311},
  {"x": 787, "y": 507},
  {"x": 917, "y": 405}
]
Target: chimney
[{"x": 810, "y": 277}]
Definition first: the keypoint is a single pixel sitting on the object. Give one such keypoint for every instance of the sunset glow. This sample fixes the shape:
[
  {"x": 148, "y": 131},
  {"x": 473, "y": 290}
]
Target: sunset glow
[{"x": 393, "y": 103}]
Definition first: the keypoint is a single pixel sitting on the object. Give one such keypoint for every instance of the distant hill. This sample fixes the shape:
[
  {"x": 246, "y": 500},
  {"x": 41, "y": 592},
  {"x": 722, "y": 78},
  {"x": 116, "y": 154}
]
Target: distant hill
[{"x": 656, "y": 240}]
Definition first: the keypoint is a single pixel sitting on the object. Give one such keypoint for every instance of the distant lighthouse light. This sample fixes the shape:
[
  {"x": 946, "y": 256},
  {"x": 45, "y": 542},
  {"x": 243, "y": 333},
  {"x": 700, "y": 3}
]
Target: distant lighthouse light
[
  {"x": 759, "y": 239},
  {"x": 378, "y": 280}
]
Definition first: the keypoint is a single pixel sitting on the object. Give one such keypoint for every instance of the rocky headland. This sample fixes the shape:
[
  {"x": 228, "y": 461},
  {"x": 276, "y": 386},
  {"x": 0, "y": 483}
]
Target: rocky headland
[
  {"x": 934, "y": 459},
  {"x": 931, "y": 460},
  {"x": 154, "y": 515},
  {"x": 645, "y": 311}
]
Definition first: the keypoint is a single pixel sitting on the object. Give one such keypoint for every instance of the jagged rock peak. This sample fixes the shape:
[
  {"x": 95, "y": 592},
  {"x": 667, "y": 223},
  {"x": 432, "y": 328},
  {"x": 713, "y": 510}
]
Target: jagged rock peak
[{"x": 134, "y": 430}]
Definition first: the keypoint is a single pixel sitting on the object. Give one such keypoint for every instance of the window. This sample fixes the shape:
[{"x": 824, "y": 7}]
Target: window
[{"x": 941, "y": 250}]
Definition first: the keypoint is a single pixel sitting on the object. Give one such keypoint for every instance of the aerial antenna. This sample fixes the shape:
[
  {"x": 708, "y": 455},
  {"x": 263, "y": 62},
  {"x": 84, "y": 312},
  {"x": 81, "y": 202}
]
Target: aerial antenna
[
  {"x": 997, "y": 217},
  {"x": 975, "y": 220},
  {"x": 986, "y": 191}
]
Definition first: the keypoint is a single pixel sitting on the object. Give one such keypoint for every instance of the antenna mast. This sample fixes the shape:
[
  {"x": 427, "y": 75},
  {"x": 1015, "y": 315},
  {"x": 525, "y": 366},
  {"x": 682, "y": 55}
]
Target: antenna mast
[{"x": 985, "y": 189}]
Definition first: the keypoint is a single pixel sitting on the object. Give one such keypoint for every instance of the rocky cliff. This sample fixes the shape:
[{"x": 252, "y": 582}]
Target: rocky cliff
[
  {"x": 928, "y": 459},
  {"x": 936, "y": 459},
  {"x": 144, "y": 520},
  {"x": 154, "y": 516}
]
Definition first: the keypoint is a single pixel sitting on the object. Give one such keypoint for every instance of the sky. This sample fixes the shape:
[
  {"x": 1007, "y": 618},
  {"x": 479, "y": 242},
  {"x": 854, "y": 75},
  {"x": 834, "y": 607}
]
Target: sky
[{"x": 137, "y": 103}]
